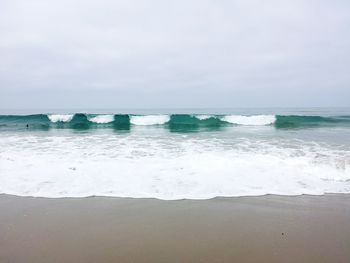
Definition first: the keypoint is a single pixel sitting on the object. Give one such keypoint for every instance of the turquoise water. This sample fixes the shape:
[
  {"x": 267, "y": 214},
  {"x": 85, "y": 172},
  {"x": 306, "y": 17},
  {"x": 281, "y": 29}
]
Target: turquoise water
[
  {"x": 174, "y": 121},
  {"x": 175, "y": 154}
]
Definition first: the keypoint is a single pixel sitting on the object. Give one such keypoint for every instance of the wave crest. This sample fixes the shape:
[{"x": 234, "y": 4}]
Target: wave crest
[
  {"x": 181, "y": 122},
  {"x": 149, "y": 119},
  {"x": 204, "y": 117},
  {"x": 102, "y": 119},
  {"x": 258, "y": 120},
  {"x": 60, "y": 117}
]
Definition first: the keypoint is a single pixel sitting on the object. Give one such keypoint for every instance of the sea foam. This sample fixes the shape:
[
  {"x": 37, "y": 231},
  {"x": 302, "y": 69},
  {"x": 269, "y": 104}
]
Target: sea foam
[
  {"x": 102, "y": 119},
  {"x": 203, "y": 117},
  {"x": 60, "y": 117},
  {"x": 149, "y": 119},
  {"x": 168, "y": 166},
  {"x": 250, "y": 120}
]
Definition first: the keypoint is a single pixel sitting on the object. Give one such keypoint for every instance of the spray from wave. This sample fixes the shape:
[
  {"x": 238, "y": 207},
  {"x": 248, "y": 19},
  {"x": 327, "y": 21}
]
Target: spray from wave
[
  {"x": 60, "y": 117},
  {"x": 204, "y": 117},
  {"x": 149, "y": 119},
  {"x": 101, "y": 119},
  {"x": 250, "y": 120}
]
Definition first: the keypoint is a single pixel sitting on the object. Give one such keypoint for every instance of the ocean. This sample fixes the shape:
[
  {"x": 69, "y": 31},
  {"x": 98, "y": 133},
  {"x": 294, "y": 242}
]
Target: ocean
[{"x": 175, "y": 153}]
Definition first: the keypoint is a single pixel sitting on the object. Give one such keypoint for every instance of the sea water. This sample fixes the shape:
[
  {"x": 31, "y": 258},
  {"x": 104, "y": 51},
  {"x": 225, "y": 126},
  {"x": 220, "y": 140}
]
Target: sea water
[{"x": 175, "y": 154}]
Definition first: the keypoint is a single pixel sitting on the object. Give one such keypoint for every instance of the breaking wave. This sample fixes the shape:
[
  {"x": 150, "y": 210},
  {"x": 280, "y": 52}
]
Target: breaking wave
[
  {"x": 101, "y": 118},
  {"x": 60, "y": 117},
  {"x": 149, "y": 119},
  {"x": 174, "y": 122},
  {"x": 250, "y": 120}
]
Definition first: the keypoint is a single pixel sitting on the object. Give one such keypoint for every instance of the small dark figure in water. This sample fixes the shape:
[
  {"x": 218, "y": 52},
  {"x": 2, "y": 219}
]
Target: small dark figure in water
[{"x": 27, "y": 126}]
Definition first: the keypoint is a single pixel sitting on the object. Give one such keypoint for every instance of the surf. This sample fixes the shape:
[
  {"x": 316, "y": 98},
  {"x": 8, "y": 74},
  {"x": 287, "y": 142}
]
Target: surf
[
  {"x": 168, "y": 166},
  {"x": 149, "y": 120},
  {"x": 174, "y": 122}
]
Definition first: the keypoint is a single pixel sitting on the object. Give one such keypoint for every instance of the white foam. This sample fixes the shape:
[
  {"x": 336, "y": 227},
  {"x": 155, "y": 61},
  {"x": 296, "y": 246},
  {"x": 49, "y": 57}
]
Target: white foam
[
  {"x": 203, "y": 117},
  {"x": 102, "y": 119},
  {"x": 149, "y": 119},
  {"x": 167, "y": 167},
  {"x": 250, "y": 120},
  {"x": 60, "y": 117}
]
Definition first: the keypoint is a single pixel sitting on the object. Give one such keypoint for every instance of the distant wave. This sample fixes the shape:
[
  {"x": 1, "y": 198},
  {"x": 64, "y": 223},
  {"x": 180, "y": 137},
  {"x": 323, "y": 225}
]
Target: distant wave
[
  {"x": 297, "y": 121},
  {"x": 175, "y": 122}
]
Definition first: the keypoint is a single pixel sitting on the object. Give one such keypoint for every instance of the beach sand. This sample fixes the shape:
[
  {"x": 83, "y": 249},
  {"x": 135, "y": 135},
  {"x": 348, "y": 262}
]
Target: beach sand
[{"x": 244, "y": 229}]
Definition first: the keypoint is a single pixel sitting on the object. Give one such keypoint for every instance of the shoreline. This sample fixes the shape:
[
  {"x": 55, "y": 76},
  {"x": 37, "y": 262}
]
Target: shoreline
[
  {"x": 274, "y": 196},
  {"x": 269, "y": 228}
]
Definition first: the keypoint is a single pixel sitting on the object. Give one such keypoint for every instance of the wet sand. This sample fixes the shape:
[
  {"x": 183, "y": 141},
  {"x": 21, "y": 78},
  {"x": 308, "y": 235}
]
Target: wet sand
[{"x": 245, "y": 229}]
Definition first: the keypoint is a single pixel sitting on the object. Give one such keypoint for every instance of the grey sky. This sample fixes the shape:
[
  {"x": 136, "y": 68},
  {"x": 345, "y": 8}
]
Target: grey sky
[{"x": 194, "y": 53}]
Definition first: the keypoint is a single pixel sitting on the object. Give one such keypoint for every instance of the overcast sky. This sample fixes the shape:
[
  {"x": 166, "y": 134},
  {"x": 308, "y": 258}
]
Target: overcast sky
[{"x": 191, "y": 53}]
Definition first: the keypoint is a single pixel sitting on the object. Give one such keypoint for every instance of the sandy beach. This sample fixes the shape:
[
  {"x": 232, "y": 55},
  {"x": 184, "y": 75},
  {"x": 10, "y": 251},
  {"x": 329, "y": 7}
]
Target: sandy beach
[{"x": 245, "y": 229}]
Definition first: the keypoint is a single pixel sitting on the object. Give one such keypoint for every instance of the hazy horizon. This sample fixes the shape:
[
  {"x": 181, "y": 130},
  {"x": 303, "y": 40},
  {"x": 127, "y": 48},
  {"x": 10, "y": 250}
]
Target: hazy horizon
[{"x": 286, "y": 111}]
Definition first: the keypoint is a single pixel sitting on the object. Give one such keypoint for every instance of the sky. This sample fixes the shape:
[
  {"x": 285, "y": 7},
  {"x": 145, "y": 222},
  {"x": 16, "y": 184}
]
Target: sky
[{"x": 174, "y": 54}]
